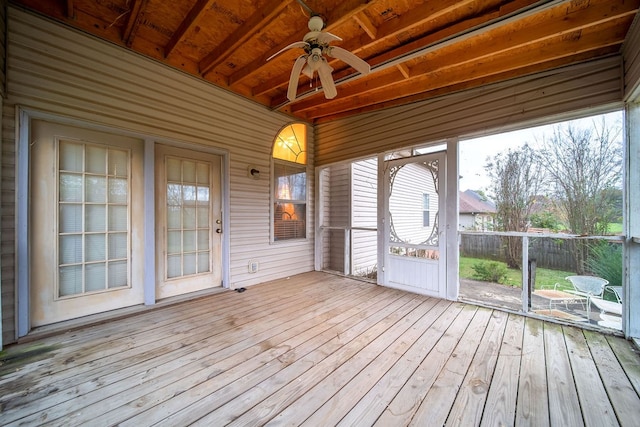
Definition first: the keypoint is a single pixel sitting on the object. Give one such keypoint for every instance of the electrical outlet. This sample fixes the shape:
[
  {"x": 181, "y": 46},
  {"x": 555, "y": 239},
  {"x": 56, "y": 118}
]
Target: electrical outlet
[{"x": 253, "y": 266}]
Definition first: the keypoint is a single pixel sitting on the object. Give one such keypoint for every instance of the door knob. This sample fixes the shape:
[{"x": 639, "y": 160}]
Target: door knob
[{"x": 218, "y": 230}]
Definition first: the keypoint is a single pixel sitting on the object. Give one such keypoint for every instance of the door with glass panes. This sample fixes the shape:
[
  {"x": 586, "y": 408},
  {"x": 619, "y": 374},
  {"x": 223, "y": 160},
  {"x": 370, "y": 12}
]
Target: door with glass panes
[
  {"x": 188, "y": 221},
  {"x": 86, "y": 212}
]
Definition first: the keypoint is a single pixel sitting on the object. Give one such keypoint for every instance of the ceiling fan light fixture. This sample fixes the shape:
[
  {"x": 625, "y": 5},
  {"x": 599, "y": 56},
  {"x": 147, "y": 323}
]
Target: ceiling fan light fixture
[
  {"x": 316, "y": 45},
  {"x": 315, "y": 23}
]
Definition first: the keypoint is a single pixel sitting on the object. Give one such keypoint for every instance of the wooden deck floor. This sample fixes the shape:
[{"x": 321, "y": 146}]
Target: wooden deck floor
[{"x": 322, "y": 350}]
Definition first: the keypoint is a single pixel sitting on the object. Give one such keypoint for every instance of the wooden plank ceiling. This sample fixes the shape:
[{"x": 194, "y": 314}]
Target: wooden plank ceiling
[{"x": 416, "y": 49}]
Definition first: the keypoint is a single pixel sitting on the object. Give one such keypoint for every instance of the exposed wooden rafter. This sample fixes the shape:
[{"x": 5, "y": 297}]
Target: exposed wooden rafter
[
  {"x": 133, "y": 21},
  {"x": 70, "y": 9},
  {"x": 416, "y": 49},
  {"x": 253, "y": 26},
  {"x": 187, "y": 23}
]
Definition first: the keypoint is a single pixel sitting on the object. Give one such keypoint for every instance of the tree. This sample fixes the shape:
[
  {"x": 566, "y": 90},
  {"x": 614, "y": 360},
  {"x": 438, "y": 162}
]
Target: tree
[
  {"x": 516, "y": 179},
  {"x": 584, "y": 164}
]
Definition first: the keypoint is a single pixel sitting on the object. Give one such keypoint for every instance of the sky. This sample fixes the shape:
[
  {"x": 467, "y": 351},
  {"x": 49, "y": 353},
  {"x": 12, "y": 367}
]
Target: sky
[{"x": 474, "y": 152}]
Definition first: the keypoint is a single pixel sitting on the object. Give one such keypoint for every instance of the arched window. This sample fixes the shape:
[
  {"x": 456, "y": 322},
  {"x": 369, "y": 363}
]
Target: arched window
[{"x": 290, "y": 183}]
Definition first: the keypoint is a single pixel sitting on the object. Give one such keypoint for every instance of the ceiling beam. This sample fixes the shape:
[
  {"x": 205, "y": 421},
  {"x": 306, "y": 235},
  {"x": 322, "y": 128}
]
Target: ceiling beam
[
  {"x": 70, "y": 9},
  {"x": 588, "y": 40},
  {"x": 475, "y": 23},
  {"x": 133, "y": 21},
  {"x": 254, "y": 25},
  {"x": 428, "y": 56},
  {"x": 469, "y": 84},
  {"x": 187, "y": 23},
  {"x": 550, "y": 23},
  {"x": 365, "y": 23},
  {"x": 467, "y": 12},
  {"x": 335, "y": 18}
]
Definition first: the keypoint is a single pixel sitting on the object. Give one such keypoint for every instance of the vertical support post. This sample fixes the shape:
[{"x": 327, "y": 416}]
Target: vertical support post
[
  {"x": 347, "y": 251},
  {"x": 22, "y": 224},
  {"x": 532, "y": 280},
  {"x": 383, "y": 231},
  {"x": 319, "y": 223},
  {"x": 451, "y": 186},
  {"x": 631, "y": 221},
  {"x": 525, "y": 274},
  {"x": 149, "y": 224}
]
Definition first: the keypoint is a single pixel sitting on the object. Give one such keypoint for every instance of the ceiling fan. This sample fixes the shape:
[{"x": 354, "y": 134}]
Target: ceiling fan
[{"x": 316, "y": 47}]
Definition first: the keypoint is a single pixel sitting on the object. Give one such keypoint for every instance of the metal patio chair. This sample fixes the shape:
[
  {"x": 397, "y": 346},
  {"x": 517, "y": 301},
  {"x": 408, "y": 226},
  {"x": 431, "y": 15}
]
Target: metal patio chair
[{"x": 589, "y": 287}]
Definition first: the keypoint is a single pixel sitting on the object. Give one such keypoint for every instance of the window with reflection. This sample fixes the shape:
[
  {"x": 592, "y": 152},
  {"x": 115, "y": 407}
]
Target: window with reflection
[{"x": 290, "y": 183}]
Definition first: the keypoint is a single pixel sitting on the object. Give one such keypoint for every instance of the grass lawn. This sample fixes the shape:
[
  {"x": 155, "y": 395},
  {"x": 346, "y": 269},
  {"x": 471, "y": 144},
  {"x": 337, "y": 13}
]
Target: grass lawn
[
  {"x": 614, "y": 228},
  {"x": 545, "y": 278}
]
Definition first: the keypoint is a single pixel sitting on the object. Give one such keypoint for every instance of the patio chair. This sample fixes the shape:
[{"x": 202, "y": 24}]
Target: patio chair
[
  {"x": 610, "y": 311},
  {"x": 589, "y": 287}
]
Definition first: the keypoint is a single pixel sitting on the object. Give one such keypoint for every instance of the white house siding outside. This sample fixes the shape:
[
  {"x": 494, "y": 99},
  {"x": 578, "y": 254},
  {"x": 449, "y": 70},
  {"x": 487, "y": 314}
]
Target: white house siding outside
[{"x": 364, "y": 214}]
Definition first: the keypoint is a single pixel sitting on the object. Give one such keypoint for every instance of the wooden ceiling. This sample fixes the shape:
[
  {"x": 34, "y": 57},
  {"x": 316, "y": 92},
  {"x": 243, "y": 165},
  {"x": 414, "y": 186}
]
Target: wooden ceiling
[{"x": 416, "y": 49}]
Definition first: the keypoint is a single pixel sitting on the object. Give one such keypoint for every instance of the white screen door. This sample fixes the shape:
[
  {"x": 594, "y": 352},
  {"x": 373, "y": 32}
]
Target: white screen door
[
  {"x": 85, "y": 222},
  {"x": 188, "y": 221},
  {"x": 414, "y": 244}
]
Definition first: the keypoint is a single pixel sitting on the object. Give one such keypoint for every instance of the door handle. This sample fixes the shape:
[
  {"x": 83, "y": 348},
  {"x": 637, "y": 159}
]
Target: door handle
[{"x": 219, "y": 230}]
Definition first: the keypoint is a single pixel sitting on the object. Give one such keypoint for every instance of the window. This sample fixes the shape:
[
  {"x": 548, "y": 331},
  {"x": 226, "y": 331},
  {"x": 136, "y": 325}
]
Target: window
[
  {"x": 290, "y": 183},
  {"x": 188, "y": 217},
  {"x": 425, "y": 210},
  {"x": 93, "y": 218}
]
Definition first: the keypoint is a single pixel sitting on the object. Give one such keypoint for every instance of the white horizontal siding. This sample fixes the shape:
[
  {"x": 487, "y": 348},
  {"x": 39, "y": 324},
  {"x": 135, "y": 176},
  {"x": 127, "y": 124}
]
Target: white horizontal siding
[
  {"x": 365, "y": 193},
  {"x": 531, "y": 99},
  {"x": 631, "y": 54},
  {"x": 405, "y": 203},
  {"x": 63, "y": 72},
  {"x": 364, "y": 250}
]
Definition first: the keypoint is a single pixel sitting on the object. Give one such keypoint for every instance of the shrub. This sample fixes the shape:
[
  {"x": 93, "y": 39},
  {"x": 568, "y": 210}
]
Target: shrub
[
  {"x": 605, "y": 260},
  {"x": 490, "y": 271}
]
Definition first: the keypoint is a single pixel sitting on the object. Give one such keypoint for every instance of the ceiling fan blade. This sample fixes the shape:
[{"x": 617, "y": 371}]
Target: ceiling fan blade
[
  {"x": 326, "y": 38},
  {"x": 295, "y": 76},
  {"x": 329, "y": 87},
  {"x": 300, "y": 45},
  {"x": 344, "y": 55}
]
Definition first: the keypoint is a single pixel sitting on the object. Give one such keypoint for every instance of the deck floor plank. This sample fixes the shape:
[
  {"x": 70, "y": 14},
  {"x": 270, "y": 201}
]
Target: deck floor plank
[
  {"x": 625, "y": 401},
  {"x": 532, "y": 407},
  {"x": 342, "y": 402},
  {"x": 190, "y": 357},
  {"x": 72, "y": 355},
  {"x": 375, "y": 401},
  {"x": 564, "y": 405},
  {"x": 322, "y": 404},
  {"x": 277, "y": 351},
  {"x": 436, "y": 405},
  {"x": 596, "y": 407},
  {"x": 295, "y": 384},
  {"x": 628, "y": 359},
  {"x": 405, "y": 404},
  {"x": 216, "y": 363},
  {"x": 469, "y": 403},
  {"x": 180, "y": 352},
  {"x": 320, "y": 349},
  {"x": 500, "y": 407}
]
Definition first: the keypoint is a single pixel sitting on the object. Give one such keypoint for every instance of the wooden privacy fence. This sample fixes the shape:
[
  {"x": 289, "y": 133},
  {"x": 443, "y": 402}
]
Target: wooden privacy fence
[{"x": 548, "y": 252}]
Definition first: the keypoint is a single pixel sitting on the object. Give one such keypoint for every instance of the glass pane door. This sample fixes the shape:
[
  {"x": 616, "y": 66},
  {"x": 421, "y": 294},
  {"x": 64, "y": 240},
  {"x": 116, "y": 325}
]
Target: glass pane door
[{"x": 188, "y": 221}]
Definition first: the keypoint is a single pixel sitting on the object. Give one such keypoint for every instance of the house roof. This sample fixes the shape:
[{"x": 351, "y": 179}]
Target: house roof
[
  {"x": 417, "y": 49},
  {"x": 472, "y": 202}
]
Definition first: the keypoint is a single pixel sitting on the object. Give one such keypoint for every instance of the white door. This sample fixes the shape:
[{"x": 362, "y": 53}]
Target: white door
[
  {"x": 188, "y": 221},
  {"x": 86, "y": 212},
  {"x": 414, "y": 243}
]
